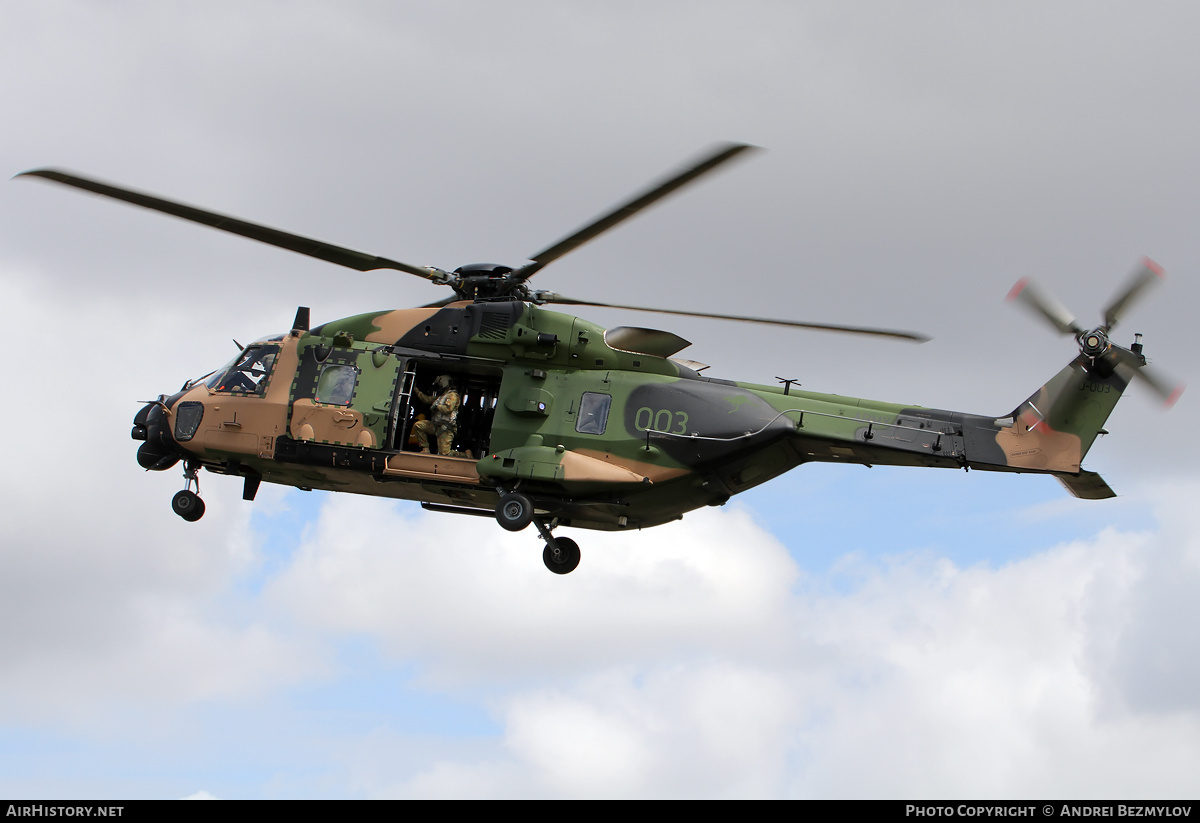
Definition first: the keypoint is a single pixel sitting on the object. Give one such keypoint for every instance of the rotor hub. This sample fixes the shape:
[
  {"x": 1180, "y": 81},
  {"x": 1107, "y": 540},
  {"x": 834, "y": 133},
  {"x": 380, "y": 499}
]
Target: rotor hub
[
  {"x": 1094, "y": 343},
  {"x": 487, "y": 281}
]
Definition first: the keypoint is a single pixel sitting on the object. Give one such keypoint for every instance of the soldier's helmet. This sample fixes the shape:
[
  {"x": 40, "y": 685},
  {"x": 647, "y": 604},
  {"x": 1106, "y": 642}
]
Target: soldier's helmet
[{"x": 442, "y": 382}]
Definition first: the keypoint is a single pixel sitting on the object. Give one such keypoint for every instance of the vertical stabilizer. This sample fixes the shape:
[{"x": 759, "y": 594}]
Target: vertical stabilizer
[{"x": 1054, "y": 428}]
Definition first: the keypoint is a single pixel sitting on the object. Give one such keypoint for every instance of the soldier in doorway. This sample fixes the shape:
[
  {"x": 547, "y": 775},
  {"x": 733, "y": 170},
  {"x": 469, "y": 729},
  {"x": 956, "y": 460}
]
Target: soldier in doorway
[{"x": 443, "y": 423}]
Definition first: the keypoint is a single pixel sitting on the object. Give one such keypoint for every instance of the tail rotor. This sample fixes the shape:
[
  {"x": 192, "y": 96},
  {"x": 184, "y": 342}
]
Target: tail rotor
[{"x": 1095, "y": 345}]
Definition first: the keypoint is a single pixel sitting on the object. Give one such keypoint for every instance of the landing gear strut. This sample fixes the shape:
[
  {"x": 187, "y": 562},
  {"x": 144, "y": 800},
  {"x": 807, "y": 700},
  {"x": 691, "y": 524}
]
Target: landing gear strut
[
  {"x": 187, "y": 503},
  {"x": 515, "y": 511}
]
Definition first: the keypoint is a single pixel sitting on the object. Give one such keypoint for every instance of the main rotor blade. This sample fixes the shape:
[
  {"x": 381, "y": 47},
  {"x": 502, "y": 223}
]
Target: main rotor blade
[
  {"x": 1148, "y": 275},
  {"x": 1044, "y": 305},
  {"x": 716, "y": 157},
  {"x": 549, "y": 297},
  {"x": 292, "y": 242}
]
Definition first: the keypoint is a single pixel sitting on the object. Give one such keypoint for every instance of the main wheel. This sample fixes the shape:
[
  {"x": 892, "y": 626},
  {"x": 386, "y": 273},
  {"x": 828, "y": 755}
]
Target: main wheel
[
  {"x": 514, "y": 511},
  {"x": 564, "y": 559},
  {"x": 188, "y": 505}
]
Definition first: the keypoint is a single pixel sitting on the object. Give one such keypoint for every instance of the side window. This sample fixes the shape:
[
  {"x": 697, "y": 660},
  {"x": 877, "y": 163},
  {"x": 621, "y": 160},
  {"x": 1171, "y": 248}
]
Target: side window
[
  {"x": 187, "y": 419},
  {"x": 593, "y": 413},
  {"x": 336, "y": 384}
]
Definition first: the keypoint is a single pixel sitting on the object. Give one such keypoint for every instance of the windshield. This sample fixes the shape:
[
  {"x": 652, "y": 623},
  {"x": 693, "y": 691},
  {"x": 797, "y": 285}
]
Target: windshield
[{"x": 247, "y": 373}]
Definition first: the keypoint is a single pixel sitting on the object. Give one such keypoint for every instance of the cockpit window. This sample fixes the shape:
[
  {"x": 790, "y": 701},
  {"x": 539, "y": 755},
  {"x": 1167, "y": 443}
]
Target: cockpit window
[
  {"x": 247, "y": 373},
  {"x": 593, "y": 413},
  {"x": 336, "y": 384}
]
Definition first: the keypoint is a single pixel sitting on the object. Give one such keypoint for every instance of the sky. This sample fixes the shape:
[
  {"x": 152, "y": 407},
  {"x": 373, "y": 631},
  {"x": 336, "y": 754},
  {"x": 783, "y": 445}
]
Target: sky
[{"x": 838, "y": 632}]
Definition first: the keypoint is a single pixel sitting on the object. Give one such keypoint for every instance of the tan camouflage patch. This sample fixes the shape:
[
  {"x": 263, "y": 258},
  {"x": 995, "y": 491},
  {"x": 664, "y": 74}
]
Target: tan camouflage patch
[
  {"x": 325, "y": 424},
  {"x": 395, "y": 324},
  {"x": 578, "y": 468},
  {"x": 1030, "y": 443},
  {"x": 244, "y": 424},
  {"x": 638, "y": 468},
  {"x": 231, "y": 441},
  {"x": 431, "y": 467}
]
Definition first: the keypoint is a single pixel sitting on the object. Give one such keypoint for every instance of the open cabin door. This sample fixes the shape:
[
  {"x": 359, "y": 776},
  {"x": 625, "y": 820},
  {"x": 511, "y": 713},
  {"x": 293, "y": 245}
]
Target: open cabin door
[
  {"x": 476, "y": 389},
  {"x": 416, "y": 440}
]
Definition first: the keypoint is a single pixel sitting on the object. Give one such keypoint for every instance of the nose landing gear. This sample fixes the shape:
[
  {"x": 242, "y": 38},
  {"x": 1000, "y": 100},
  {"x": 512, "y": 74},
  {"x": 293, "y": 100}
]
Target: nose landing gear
[{"x": 187, "y": 503}]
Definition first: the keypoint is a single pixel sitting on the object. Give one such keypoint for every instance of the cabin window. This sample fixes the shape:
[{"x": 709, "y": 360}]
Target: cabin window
[
  {"x": 247, "y": 373},
  {"x": 335, "y": 386},
  {"x": 593, "y": 413}
]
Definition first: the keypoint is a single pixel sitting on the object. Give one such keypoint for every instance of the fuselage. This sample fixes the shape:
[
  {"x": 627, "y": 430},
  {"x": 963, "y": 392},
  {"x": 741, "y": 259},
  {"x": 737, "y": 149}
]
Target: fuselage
[{"x": 599, "y": 428}]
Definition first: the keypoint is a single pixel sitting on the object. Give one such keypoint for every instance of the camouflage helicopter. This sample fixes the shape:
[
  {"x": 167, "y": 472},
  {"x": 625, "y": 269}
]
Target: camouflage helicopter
[{"x": 545, "y": 418}]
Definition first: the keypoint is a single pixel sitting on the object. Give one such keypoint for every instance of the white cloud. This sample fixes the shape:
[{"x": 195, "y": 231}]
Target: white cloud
[
  {"x": 107, "y": 598},
  {"x": 927, "y": 680},
  {"x": 468, "y": 597}
]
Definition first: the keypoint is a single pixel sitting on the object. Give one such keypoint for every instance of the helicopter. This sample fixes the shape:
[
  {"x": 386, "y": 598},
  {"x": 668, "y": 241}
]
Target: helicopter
[{"x": 545, "y": 418}]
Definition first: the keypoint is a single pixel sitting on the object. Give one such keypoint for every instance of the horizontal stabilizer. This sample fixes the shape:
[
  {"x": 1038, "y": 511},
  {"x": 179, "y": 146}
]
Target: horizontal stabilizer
[{"x": 1087, "y": 486}]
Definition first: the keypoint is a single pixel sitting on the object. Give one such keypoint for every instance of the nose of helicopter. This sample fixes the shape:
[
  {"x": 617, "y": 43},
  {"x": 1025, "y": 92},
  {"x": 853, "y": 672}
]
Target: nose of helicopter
[{"x": 152, "y": 426}]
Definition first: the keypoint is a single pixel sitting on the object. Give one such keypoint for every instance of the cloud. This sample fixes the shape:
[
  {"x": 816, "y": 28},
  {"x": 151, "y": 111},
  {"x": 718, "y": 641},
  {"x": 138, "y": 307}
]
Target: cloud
[
  {"x": 107, "y": 599},
  {"x": 1146, "y": 645},
  {"x": 698, "y": 660},
  {"x": 469, "y": 598}
]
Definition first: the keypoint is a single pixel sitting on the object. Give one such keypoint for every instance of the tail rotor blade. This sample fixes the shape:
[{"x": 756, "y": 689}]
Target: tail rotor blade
[
  {"x": 1148, "y": 275},
  {"x": 1168, "y": 389},
  {"x": 1040, "y": 302}
]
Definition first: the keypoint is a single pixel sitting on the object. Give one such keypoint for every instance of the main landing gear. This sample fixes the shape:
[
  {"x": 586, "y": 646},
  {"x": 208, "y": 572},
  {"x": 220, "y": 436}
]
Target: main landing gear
[
  {"x": 561, "y": 554},
  {"x": 515, "y": 511},
  {"x": 187, "y": 503}
]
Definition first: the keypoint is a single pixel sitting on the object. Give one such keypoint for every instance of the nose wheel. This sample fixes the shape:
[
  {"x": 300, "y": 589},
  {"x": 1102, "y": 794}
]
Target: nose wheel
[{"x": 187, "y": 503}]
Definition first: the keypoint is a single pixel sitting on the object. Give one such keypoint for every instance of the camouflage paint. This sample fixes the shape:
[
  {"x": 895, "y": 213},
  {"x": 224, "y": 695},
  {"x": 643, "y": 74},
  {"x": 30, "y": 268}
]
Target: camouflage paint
[{"x": 673, "y": 440}]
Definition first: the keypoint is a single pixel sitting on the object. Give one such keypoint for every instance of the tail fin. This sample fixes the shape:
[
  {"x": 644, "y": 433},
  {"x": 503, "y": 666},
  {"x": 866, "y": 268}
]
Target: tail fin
[{"x": 1054, "y": 428}]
